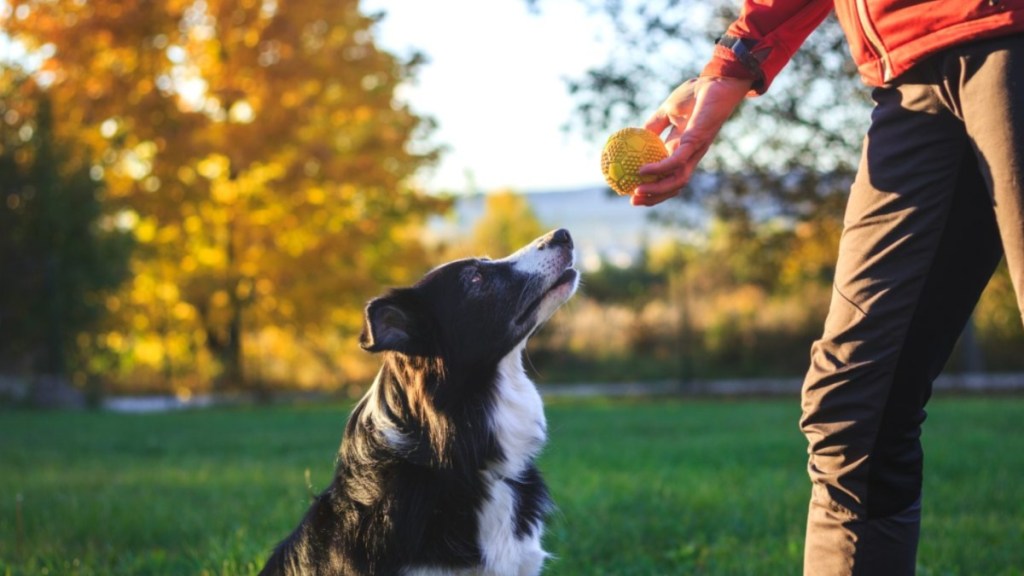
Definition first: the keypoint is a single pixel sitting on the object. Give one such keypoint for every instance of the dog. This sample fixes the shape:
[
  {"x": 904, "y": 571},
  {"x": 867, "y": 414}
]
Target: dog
[{"x": 436, "y": 472}]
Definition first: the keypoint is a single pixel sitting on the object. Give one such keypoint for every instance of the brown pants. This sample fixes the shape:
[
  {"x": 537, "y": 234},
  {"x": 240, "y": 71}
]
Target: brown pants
[{"x": 938, "y": 199}]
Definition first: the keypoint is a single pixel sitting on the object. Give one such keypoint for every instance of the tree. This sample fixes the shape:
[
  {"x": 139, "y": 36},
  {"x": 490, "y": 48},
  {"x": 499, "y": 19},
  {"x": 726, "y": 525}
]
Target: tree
[
  {"x": 256, "y": 149},
  {"x": 60, "y": 255},
  {"x": 507, "y": 224}
]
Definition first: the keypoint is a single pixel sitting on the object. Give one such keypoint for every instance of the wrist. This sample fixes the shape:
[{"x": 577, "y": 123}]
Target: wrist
[
  {"x": 732, "y": 58},
  {"x": 742, "y": 50}
]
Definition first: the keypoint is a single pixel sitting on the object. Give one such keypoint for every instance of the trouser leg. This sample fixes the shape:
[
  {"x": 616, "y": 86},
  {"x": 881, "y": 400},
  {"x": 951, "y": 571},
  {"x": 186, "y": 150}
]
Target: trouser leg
[
  {"x": 991, "y": 90},
  {"x": 919, "y": 244}
]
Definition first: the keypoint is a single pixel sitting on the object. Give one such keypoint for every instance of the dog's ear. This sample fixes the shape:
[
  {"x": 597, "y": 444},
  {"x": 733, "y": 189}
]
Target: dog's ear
[{"x": 388, "y": 325}]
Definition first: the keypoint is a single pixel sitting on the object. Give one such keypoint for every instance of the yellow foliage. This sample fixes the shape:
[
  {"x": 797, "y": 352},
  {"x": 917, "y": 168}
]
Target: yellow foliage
[
  {"x": 167, "y": 292},
  {"x": 814, "y": 253},
  {"x": 249, "y": 268},
  {"x": 507, "y": 223},
  {"x": 149, "y": 351},
  {"x": 224, "y": 192},
  {"x": 220, "y": 298},
  {"x": 247, "y": 161},
  {"x": 316, "y": 195},
  {"x": 145, "y": 231},
  {"x": 114, "y": 341},
  {"x": 168, "y": 234},
  {"x": 213, "y": 166},
  {"x": 140, "y": 322},
  {"x": 210, "y": 257},
  {"x": 743, "y": 301},
  {"x": 264, "y": 286},
  {"x": 186, "y": 175},
  {"x": 193, "y": 224},
  {"x": 183, "y": 311},
  {"x": 142, "y": 288},
  {"x": 189, "y": 263}
]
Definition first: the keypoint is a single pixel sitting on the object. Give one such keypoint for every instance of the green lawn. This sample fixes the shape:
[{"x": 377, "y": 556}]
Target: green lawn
[{"x": 669, "y": 487}]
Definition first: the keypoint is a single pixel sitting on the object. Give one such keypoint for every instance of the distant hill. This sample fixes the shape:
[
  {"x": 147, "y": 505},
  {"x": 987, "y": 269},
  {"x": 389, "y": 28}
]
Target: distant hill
[{"x": 604, "y": 226}]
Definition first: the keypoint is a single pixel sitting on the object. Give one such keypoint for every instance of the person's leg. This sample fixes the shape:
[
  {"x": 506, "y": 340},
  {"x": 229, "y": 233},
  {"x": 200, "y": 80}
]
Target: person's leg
[
  {"x": 990, "y": 93},
  {"x": 918, "y": 247}
]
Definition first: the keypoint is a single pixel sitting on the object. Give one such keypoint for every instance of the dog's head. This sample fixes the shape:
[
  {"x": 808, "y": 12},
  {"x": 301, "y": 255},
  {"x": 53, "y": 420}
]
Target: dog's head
[{"x": 475, "y": 310}]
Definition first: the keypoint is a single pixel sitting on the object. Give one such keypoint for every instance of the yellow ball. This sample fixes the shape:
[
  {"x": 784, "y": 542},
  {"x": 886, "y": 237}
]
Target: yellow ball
[{"x": 623, "y": 155}]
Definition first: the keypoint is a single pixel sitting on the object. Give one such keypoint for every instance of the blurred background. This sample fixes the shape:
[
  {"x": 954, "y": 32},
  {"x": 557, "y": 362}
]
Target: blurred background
[{"x": 199, "y": 196}]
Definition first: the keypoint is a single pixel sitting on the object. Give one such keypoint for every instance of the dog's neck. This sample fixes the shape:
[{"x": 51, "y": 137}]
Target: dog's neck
[
  {"x": 421, "y": 414},
  {"x": 518, "y": 417},
  {"x": 424, "y": 415}
]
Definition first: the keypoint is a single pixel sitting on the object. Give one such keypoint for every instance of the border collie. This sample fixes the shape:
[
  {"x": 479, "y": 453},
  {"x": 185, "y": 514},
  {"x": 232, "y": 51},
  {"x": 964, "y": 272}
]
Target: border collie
[{"x": 436, "y": 474}]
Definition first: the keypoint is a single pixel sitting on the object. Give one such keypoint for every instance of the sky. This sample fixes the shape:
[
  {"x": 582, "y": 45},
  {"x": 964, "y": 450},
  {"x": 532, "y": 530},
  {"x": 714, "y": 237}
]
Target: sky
[{"x": 496, "y": 84}]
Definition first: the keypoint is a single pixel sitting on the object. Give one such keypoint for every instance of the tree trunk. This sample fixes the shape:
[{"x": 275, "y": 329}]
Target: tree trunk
[{"x": 232, "y": 357}]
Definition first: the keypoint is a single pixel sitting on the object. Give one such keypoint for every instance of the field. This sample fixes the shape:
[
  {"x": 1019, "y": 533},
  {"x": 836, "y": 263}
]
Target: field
[{"x": 645, "y": 488}]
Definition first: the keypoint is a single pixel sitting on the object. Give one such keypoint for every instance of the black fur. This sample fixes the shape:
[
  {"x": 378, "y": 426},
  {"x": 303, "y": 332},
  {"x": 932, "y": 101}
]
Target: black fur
[{"x": 409, "y": 484}]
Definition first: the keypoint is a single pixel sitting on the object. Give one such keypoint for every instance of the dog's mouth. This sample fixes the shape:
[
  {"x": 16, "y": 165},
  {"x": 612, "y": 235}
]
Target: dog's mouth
[{"x": 568, "y": 277}]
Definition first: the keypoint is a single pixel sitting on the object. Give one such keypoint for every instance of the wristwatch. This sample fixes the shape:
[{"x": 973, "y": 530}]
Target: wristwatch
[{"x": 741, "y": 47}]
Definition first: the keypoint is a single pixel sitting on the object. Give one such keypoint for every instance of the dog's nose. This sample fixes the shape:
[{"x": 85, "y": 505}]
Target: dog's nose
[{"x": 560, "y": 237}]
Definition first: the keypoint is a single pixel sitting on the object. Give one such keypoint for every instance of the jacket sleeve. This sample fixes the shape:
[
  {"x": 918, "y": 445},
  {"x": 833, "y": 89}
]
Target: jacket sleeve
[{"x": 774, "y": 29}]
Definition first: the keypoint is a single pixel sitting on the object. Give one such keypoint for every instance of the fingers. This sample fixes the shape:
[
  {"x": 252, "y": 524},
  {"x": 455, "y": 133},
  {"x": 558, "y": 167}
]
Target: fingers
[
  {"x": 675, "y": 162},
  {"x": 673, "y": 139},
  {"x": 653, "y": 193},
  {"x": 675, "y": 110},
  {"x": 696, "y": 111},
  {"x": 657, "y": 122},
  {"x": 673, "y": 174},
  {"x": 684, "y": 154},
  {"x": 649, "y": 199}
]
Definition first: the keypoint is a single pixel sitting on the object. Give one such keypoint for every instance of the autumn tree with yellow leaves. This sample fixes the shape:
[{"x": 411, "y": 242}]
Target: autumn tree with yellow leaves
[{"x": 257, "y": 152}]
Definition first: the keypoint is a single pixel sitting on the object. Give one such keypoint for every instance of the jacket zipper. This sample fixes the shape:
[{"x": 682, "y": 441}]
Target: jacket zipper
[{"x": 871, "y": 35}]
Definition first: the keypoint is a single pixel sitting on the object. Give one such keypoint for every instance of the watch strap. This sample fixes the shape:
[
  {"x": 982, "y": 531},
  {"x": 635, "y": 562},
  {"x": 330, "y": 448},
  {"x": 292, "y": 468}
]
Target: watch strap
[{"x": 742, "y": 48}]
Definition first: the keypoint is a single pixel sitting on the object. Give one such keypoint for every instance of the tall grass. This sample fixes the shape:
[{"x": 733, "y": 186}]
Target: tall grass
[{"x": 671, "y": 487}]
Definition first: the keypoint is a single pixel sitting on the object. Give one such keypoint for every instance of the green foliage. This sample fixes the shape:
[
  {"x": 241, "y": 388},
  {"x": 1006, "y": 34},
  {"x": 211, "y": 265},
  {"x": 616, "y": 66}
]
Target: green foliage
[
  {"x": 744, "y": 301},
  {"x": 632, "y": 284},
  {"x": 673, "y": 487},
  {"x": 60, "y": 254},
  {"x": 998, "y": 326}
]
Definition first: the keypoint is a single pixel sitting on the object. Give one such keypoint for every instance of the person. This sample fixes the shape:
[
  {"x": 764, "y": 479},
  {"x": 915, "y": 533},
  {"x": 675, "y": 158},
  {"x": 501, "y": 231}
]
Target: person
[{"x": 936, "y": 202}]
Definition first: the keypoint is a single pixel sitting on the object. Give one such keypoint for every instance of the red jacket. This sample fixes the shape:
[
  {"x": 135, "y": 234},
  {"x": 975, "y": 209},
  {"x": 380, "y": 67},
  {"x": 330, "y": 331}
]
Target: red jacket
[{"x": 886, "y": 37}]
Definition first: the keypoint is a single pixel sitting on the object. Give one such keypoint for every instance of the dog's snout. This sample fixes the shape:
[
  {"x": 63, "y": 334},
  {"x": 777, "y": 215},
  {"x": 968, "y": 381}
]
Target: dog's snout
[{"x": 560, "y": 237}]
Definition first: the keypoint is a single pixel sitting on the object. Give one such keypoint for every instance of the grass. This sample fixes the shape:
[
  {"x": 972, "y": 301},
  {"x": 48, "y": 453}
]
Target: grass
[{"x": 670, "y": 487}]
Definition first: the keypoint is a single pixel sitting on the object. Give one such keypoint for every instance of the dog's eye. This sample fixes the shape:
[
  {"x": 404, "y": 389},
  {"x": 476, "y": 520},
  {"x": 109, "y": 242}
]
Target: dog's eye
[{"x": 472, "y": 275}]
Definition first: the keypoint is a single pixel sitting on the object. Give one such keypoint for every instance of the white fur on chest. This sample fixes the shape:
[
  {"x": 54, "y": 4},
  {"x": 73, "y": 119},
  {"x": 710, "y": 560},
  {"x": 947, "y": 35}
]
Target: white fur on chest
[
  {"x": 521, "y": 429},
  {"x": 518, "y": 418}
]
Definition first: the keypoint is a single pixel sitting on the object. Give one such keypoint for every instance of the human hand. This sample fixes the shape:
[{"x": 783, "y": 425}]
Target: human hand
[{"x": 696, "y": 111}]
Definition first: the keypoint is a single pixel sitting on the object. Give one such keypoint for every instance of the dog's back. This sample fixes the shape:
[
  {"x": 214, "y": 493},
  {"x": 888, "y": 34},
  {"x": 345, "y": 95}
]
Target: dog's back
[{"x": 436, "y": 470}]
